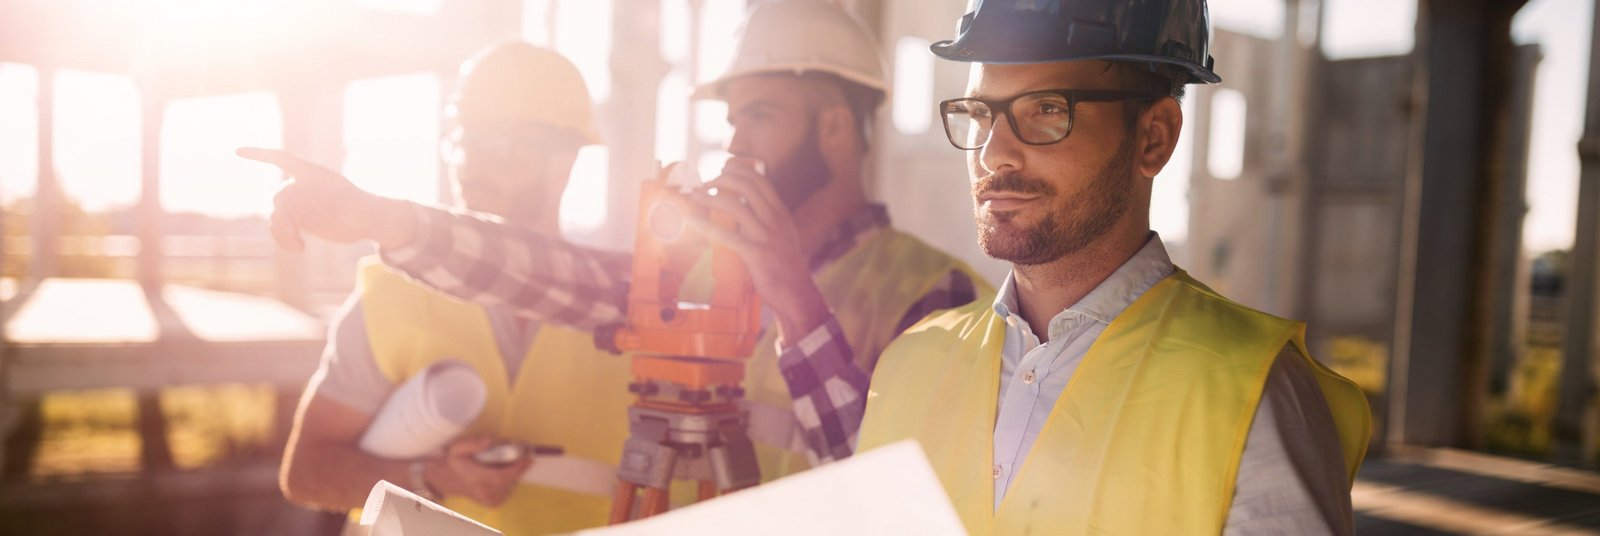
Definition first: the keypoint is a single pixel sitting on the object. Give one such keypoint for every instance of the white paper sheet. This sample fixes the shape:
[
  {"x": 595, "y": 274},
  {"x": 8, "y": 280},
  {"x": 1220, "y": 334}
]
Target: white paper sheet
[
  {"x": 426, "y": 412},
  {"x": 392, "y": 511},
  {"x": 890, "y": 490}
]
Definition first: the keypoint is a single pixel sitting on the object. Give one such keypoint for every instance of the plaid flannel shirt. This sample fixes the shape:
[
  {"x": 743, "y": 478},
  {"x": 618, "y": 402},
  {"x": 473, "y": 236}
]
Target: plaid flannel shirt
[{"x": 479, "y": 258}]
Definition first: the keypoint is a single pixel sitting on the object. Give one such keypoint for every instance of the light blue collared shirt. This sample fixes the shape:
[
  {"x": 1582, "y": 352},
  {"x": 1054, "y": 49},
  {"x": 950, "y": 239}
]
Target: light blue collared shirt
[{"x": 1032, "y": 376}]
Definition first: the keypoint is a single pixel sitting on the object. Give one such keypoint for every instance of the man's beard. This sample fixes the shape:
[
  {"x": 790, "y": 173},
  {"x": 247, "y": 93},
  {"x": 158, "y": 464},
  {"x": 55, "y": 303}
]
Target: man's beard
[
  {"x": 803, "y": 173},
  {"x": 1069, "y": 226}
]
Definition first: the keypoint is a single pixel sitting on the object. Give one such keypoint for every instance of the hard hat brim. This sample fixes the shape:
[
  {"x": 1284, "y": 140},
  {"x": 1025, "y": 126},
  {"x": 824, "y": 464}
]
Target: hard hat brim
[
  {"x": 954, "y": 51},
  {"x": 713, "y": 90}
]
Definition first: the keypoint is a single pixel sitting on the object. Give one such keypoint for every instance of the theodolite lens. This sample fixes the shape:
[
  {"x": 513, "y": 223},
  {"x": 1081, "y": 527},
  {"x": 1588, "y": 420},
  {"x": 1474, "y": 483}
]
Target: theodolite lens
[{"x": 668, "y": 219}]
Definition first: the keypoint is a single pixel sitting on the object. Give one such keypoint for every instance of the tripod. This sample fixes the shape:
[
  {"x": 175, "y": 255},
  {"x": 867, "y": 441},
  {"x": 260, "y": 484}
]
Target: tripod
[{"x": 687, "y": 423}]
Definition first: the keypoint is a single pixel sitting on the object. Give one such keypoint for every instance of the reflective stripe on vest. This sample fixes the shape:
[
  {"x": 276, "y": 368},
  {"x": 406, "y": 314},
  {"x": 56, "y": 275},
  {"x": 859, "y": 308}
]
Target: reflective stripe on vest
[
  {"x": 1146, "y": 437},
  {"x": 570, "y": 473}
]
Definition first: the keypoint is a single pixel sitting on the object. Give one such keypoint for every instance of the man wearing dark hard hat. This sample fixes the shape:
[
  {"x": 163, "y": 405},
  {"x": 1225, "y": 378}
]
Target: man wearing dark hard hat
[{"x": 1103, "y": 390}]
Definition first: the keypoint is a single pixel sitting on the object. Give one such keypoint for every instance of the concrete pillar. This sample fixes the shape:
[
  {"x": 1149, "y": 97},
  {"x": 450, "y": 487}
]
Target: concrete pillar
[
  {"x": 153, "y": 108},
  {"x": 45, "y": 221},
  {"x": 1288, "y": 174},
  {"x": 447, "y": 86},
  {"x": 627, "y": 117},
  {"x": 1574, "y": 428},
  {"x": 692, "y": 146},
  {"x": 1451, "y": 220},
  {"x": 313, "y": 127},
  {"x": 1513, "y": 272}
]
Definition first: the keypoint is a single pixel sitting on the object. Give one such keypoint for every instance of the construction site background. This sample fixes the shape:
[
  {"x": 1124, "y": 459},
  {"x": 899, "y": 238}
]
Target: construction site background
[{"x": 1403, "y": 175}]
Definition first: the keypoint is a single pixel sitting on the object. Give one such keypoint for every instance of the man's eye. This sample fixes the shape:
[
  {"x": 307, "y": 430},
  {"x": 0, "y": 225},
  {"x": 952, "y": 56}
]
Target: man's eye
[
  {"x": 1050, "y": 108},
  {"x": 746, "y": 119}
]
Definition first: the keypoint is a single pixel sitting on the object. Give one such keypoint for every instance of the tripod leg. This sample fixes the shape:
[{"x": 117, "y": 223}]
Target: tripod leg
[
  {"x": 646, "y": 464},
  {"x": 622, "y": 504},
  {"x": 708, "y": 490},
  {"x": 734, "y": 463},
  {"x": 655, "y": 502}
]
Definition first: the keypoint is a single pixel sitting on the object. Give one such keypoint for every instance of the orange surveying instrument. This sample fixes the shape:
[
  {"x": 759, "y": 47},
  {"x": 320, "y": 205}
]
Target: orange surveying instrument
[{"x": 688, "y": 360}]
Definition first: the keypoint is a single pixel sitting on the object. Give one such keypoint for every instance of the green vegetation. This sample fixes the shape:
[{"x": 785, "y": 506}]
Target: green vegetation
[
  {"x": 1519, "y": 422},
  {"x": 96, "y": 432}
]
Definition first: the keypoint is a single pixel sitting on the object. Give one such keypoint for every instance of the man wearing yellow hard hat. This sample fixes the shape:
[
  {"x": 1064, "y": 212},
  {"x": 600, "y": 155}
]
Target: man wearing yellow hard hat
[
  {"x": 514, "y": 127},
  {"x": 840, "y": 281}
]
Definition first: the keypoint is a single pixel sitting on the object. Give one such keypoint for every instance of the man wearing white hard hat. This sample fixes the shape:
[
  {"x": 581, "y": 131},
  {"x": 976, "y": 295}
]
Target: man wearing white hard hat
[
  {"x": 839, "y": 280},
  {"x": 514, "y": 127}
]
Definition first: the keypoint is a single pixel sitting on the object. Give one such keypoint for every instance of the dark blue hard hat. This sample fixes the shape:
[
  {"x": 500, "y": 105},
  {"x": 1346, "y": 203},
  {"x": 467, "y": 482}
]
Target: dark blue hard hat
[{"x": 1174, "y": 32}]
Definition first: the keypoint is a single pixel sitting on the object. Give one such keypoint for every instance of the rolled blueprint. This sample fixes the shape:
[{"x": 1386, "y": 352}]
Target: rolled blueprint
[
  {"x": 392, "y": 511},
  {"x": 426, "y": 412}
]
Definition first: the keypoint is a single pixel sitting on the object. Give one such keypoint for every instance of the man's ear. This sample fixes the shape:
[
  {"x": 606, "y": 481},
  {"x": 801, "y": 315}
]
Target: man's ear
[{"x": 1157, "y": 136}]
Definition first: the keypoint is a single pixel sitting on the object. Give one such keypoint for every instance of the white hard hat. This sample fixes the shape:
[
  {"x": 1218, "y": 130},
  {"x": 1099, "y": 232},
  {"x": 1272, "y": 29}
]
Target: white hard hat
[{"x": 800, "y": 36}]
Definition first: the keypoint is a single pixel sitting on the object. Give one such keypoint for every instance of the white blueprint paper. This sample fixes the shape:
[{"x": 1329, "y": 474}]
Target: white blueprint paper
[
  {"x": 889, "y": 490},
  {"x": 426, "y": 412}
]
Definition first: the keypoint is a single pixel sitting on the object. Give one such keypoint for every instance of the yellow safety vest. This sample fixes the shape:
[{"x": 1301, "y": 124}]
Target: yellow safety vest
[
  {"x": 566, "y": 393},
  {"x": 1145, "y": 439},
  {"x": 870, "y": 289}
]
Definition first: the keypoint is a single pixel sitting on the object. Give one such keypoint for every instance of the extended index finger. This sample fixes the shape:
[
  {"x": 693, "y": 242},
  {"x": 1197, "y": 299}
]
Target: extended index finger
[{"x": 289, "y": 163}]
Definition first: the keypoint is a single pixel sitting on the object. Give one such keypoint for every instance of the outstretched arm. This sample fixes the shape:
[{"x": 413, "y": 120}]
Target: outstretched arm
[
  {"x": 480, "y": 259},
  {"x": 473, "y": 257}
]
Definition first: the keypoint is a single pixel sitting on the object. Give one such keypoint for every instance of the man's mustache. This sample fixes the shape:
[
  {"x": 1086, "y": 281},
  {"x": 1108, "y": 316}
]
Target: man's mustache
[{"x": 1012, "y": 182}]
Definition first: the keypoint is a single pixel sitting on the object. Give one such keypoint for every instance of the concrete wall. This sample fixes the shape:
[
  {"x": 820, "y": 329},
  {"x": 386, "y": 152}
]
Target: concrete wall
[{"x": 920, "y": 175}]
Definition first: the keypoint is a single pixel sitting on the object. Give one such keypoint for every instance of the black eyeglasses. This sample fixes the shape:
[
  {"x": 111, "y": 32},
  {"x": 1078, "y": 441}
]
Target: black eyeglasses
[{"x": 1037, "y": 117}]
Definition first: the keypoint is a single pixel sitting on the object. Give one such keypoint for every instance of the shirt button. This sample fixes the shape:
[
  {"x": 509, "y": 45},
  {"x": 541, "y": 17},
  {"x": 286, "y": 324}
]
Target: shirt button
[
  {"x": 1027, "y": 377},
  {"x": 997, "y": 471}
]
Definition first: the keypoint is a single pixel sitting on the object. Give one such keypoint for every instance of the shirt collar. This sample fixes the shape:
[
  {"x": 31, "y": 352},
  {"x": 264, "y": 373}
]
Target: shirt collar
[
  {"x": 849, "y": 234},
  {"x": 1142, "y": 271}
]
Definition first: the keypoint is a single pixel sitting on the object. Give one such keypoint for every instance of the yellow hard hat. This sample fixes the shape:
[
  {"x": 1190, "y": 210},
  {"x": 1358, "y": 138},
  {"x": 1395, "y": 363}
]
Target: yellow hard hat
[
  {"x": 520, "y": 82},
  {"x": 800, "y": 36}
]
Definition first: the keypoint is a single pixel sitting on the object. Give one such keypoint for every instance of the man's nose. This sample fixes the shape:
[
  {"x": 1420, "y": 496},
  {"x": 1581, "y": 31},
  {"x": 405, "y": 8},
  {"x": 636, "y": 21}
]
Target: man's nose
[{"x": 1002, "y": 151}]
